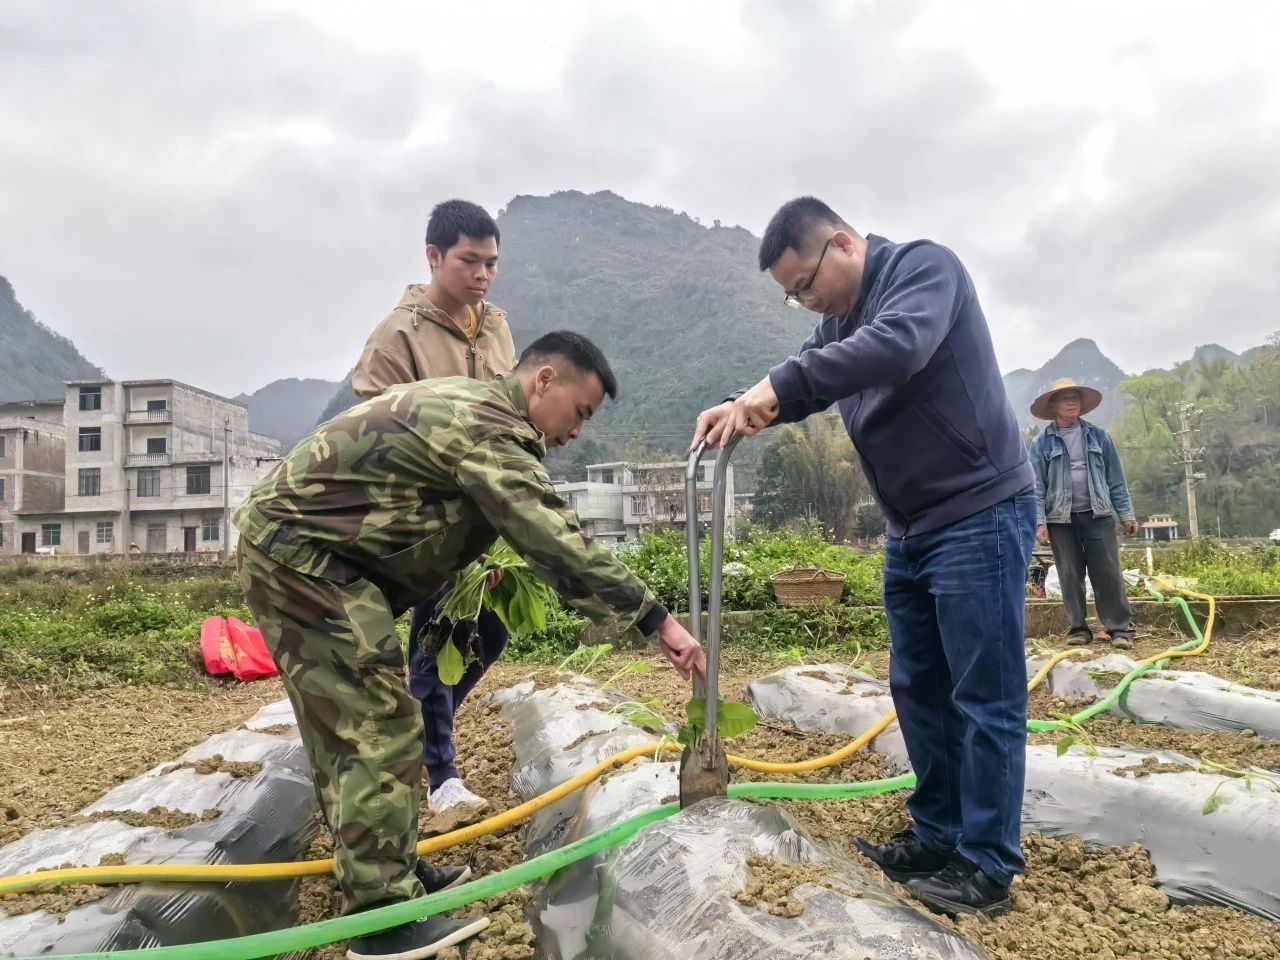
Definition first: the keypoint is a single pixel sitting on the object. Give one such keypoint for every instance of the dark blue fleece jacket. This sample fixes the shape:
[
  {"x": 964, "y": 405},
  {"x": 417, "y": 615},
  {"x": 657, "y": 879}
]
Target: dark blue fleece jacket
[{"x": 915, "y": 377}]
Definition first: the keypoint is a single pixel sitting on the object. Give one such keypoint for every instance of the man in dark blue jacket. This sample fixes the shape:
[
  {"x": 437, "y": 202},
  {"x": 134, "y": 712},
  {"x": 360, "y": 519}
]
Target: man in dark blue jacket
[{"x": 903, "y": 349}]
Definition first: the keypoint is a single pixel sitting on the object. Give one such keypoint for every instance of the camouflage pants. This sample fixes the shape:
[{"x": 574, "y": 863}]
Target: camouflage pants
[{"x": 342, "y": 664}]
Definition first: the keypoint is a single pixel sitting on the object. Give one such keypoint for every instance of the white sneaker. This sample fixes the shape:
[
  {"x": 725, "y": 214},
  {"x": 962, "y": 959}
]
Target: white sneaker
[{"x": 454, "y": 794}]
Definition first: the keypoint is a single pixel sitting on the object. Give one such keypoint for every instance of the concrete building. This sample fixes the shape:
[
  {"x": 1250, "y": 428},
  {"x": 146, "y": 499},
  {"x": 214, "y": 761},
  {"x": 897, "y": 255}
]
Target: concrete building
[
  {"x": 47, "y": 411},
  {"x": 618, "y": 500},
  {"x": 32, "y": 456},
  {"x": 143, "y": 469},
  {"x": 1160, "y": 526}
]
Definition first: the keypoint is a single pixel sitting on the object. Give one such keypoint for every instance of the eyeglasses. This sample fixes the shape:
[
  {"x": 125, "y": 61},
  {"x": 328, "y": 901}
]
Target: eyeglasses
[{"x": 799, "y": 297}]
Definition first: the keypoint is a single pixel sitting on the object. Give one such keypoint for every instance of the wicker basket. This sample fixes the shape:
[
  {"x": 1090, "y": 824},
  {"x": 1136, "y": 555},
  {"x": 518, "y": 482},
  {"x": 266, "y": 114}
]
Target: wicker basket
[{"x": 807, "y": 586}]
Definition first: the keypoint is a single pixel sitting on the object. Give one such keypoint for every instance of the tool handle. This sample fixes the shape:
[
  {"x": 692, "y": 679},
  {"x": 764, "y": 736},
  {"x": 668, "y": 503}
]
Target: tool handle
[
  {"x": 716, "y": 587},
  {"x": 691, "y": 539}
]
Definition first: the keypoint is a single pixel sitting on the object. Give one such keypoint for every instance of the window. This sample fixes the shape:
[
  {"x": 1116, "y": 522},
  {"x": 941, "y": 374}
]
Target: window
[
  {"x": 640, "y": 505},
  {"x": 90, "y": 398},
  {"x": 211, "y": 529},
  {"x": 90, "y": 439},
  {"x": 606, "y": 476},
  {"x": 1, "y": 490},
  {"x": 197, "y": 480},
  {"x": 90, "y": 481},
  {"x": 157, "y": 406},
  {"x": 156, "y": 445},
  {"x": 51, "y": 534},
  {"x": 2, "y": 448},
  {"x": 149, "y": 483},
  {"x": 1, "y": 534},
  {"x": 106, "y": 531}
]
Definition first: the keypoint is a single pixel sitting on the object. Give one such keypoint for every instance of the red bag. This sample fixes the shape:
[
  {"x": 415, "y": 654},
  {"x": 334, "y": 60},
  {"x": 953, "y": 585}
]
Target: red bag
[{"x": 230, "y": 646}]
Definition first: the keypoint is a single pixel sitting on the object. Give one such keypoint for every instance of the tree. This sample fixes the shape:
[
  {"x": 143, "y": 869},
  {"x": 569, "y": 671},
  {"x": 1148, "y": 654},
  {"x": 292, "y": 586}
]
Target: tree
[
  {"x": 1144, "y": 436},
  {"x": 1236, "y": 427},
  {"x": 813, "y": 471}
]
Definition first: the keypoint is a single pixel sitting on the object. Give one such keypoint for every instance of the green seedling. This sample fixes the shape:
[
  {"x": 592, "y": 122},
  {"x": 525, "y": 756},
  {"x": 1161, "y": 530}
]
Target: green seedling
[
  {"x": 645, "y": 712},
  {"x": 854, "y": 666},
  {"x": 1250, "y": 776},
  {"x": 732, "y": 720},
  {"x": 635, "y": 666},
  {"x": 588, "y": 657},
  {"x": 1076, "y": 734},
  {"x": 792, "y": 654},
  {"x": 664, "y": 741}
]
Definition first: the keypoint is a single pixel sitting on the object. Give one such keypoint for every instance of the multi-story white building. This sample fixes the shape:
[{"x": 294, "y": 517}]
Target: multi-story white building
[
  {"x": 31, "y": 468},
  {"x": 618, "y": 500},
  {"x": 144, "y": 469}
]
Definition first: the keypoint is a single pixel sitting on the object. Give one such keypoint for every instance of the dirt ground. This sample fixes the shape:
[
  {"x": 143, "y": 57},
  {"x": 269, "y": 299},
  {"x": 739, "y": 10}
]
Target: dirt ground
[
  {"x": 1252, "y": 660},
  {"x": 1072, "y": 902},
  {"x": 60, "y": 755}
]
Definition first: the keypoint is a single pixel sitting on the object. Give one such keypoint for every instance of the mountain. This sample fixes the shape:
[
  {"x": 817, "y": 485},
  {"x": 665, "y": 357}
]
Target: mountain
[
  {"x": 1252, "y": 354},
  {"x": 684, "y": 317},
  {"x": 679, "y": 308},
  {"x": 339, "y": 399},
  {"x": 1210, "y": 352},
  {"x": 287, "y": 409},
  {"x": 1081, "y": 360},
  {"x": 33, "y": 359}
]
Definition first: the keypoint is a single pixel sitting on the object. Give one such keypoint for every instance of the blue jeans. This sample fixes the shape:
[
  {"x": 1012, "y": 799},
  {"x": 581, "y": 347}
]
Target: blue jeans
[
  {"x": 955, "y": 600},
  {"x": 439, "y": 700}
]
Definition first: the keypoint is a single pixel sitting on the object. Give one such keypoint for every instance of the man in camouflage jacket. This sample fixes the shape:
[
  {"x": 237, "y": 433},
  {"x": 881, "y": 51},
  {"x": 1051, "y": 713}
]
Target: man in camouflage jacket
[{"x": 364, "y": 518}]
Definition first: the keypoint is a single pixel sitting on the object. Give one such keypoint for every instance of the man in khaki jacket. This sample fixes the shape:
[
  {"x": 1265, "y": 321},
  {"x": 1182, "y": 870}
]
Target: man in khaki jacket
[{"x": 445, "y": 329}]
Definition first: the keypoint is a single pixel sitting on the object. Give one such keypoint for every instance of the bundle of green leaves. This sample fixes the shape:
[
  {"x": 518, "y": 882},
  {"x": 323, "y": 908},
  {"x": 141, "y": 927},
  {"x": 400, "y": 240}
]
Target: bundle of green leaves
[{"x": 520, "y": 600}]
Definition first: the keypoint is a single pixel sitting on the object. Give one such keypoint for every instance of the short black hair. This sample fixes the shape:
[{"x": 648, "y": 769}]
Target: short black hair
[
  {"x": 453, "y": 218},
  {"x": 792, "y": 225},
  {"x": 575, "y": 349}
]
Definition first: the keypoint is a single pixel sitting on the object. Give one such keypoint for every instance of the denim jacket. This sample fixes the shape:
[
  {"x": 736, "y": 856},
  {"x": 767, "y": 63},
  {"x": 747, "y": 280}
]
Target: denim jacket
[{"x": 1107, "y": 488}]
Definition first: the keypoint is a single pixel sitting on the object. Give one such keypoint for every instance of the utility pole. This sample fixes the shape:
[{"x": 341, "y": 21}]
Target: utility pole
[
  {"x": 1189, "y": 456},
  {"x": 226, "y": 490}
]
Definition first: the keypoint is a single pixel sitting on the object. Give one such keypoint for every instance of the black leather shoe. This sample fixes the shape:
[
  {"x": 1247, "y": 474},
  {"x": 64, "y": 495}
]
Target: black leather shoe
[
  {"x": 1080, "y": 638},
  {"x": 904, "y": 856},
  {"x": 435, "y": 879},
  {"x": 961, "y": 888},
  {"x": 415, "y": 941}
]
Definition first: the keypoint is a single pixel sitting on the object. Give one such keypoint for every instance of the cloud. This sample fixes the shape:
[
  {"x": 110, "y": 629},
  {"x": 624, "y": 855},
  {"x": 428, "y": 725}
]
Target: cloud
[
  {"x": 228, "y": 194},
  {"x": 1173, "y": 253}
]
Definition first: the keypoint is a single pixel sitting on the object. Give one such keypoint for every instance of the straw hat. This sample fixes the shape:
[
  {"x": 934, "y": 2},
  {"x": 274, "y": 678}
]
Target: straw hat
[{"x": 1042, "y": 406}]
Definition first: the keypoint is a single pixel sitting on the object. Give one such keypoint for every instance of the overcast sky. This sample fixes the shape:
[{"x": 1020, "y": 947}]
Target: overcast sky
[{"x": 231, "y": 192}]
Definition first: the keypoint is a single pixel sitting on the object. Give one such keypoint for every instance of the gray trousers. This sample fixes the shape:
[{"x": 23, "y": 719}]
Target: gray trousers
[{"x": 1089, "y": 544}]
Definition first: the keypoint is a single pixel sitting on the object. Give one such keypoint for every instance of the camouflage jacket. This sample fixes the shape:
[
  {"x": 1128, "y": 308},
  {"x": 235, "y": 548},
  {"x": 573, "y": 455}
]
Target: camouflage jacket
[{"x": 406, "y": 488}]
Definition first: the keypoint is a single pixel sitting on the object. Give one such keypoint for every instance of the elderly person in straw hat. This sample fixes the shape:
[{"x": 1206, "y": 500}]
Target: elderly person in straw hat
[{"x": 1081, "y": 494}]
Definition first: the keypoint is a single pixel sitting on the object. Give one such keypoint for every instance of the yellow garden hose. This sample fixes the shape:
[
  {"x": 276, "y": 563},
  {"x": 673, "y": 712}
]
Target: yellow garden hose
[{"x": 1210, "y": 619}]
